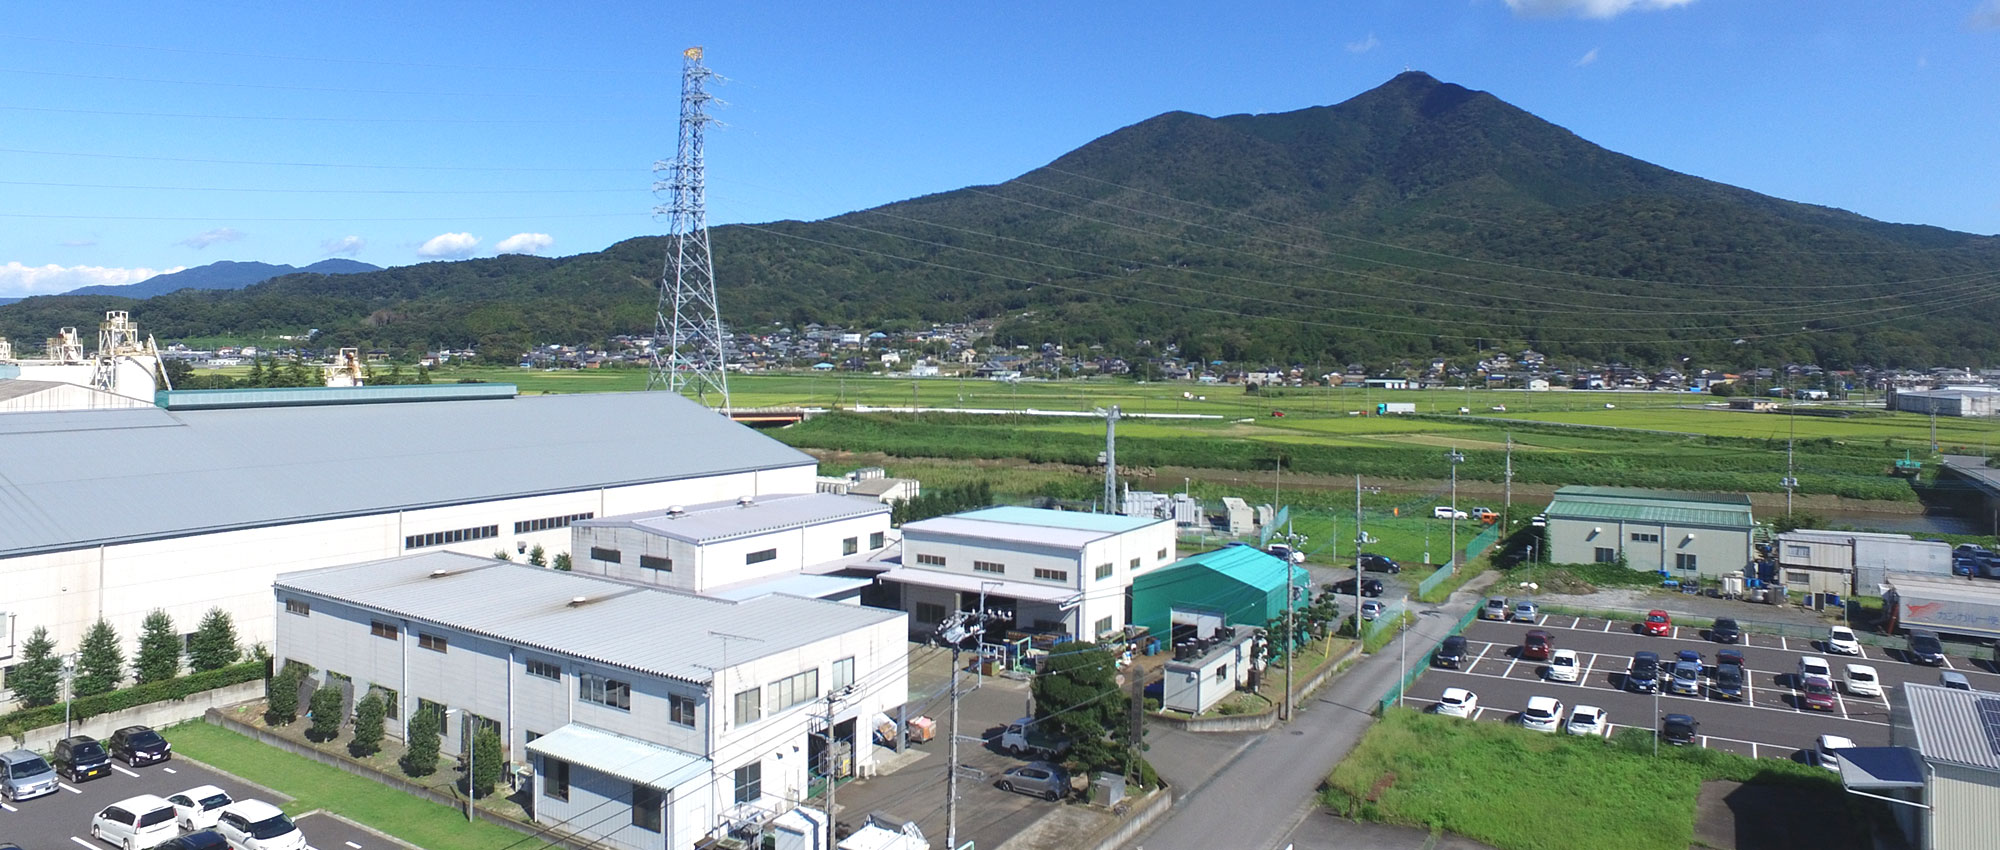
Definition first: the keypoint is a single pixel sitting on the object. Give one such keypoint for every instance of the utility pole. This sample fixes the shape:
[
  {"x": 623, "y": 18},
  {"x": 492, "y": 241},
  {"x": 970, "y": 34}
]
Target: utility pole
[
  {"x": 1111, "y": 418},
  {"x": 1360, "y": 539},
  {"x": 832, "y": 762},
  {"x": 1507, "y": 507},
  {"x": 1456, "y": 459},
  {"x": 1135, "y": 715},
  {"x": 951, "y": 771},
  {"x": 1291, "y": 603},
  {"x": 1790, "y": 482},
  {"x": 688, "y": 333}
]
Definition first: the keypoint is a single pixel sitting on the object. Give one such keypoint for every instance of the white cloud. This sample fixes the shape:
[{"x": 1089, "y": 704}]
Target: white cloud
[
  {"x": 1364, "y": 45},
  {"x": 525, "y": 243},
  {"x": 79, "y": 243},
  {"x": 449, "y": 246},
  {"x": 1588, "y": 8},
  {"x": 349, "y": 245},
  {"x": 17, "y": 279},
  {"x": 1587, "y": 58},
  {"x": 1986, "y": 17},
  {"x": 210, "y": 237}
]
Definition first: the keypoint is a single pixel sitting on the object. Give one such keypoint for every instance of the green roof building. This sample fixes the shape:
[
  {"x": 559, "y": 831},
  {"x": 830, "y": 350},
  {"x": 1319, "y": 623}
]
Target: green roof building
[
  {"x": 1200, "y": 594},
  {"x": 1686, "y": 534}
]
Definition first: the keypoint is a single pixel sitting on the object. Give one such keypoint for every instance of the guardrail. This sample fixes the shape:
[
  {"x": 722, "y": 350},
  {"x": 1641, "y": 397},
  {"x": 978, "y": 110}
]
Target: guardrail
[{"x": 1422, "y": 663}]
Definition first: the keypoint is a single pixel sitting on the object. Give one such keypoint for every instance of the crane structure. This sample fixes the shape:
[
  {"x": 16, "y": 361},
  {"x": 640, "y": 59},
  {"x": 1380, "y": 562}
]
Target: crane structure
[{"x": 688, "y": 333}]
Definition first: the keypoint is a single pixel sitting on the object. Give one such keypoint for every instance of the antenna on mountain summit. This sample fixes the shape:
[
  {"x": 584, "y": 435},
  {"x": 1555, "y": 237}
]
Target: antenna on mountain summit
[{"x": 687, "y": 330}]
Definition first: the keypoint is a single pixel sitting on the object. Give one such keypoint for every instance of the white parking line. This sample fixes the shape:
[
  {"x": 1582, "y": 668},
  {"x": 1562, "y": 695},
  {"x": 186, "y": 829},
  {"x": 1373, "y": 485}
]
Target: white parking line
[
  {"x": 1606, "y": 629},
  {"x": 1581, "y": 678},
  {"x": 1860, "y": 646},
  {"x": 1782, "y": 644},
  {"x": 1574, "y": 622},
  {"x": 1510, "y": 667},
  {"x": 83, "y": 842},
  {"x": 1745, "y": 704},
  {"x": 352, "y": 844},
  {"x": 1475, "y": 661},
  {"x": 169, "y": 770},
  {"x": 1677, "y": 633},
  {"x": 66, "y": 787},
  {"x": 124, "y": 771},
  {"x": 8, "y": 807},
  {"x": 1947, "y": 663}
]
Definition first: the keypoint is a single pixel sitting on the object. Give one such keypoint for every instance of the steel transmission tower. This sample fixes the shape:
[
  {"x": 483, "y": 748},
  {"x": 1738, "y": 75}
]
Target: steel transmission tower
[{"x": 687, "y": 335}]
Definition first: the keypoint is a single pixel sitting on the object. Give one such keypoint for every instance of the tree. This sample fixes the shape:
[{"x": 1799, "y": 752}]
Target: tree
[
  {"x": 1794, "y": 521},
  {"x": 325, "y": 713},
  {"x": 421, "y": 759},
  {"x": 563, "y": 562},
  {"x": 159, "y": 649},
  {"x": 369, "y": 717},
  {"x": 281, "y": 697},
  {"x": 214, "y": 645},
  {"x": 1077, "y": 696},
  {"x": 503, "y": 555},
  {"x": 538, "y": 556},
  {"x": 37, "y": 679},
  {"x": 100, "y": 663},
  {"x": 486, "y": 761}
]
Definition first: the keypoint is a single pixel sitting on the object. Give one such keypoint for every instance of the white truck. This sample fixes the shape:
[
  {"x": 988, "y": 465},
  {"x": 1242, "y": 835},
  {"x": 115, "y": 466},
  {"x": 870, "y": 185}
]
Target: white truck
[{"x": 1025, "y": 738}]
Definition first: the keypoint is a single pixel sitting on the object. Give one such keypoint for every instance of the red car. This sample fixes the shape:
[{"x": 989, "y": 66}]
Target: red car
[
  {"x": 1818, "y": 693},
  {"x": 1537, "y": 646},
  {"x": 1658, "y": 624}
]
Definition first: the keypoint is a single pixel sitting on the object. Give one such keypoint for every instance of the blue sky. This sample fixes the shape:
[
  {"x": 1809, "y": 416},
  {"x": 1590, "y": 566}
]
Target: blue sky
[{"x": 137, "y": 138}]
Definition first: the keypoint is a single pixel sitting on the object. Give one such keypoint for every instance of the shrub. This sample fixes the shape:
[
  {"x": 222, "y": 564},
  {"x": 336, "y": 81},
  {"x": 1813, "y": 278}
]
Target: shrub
[
  {"x": 421, "y": 759},
  {"x": 181, "y": 688},
  {"x": 281, "y": 697},
  {"x": 159, "y": 649},
  {"x": 100, "y": 663},
  {"x": 369, "y": 716},
  {"x": 538, "y": 556},
  {"x": 214, "y": 644},
  {"x": 562, "y": 562},
  {"x": 37, "y": 680},
  {"x": 325, "y": 713},
  {"x": 486, "y": 762}
]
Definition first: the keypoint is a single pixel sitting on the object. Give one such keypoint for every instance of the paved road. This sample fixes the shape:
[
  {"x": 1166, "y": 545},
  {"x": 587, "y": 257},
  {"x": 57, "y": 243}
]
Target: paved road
[
  {"x": 62, "y": 819},
  {"x": 1259, "y": 797}
]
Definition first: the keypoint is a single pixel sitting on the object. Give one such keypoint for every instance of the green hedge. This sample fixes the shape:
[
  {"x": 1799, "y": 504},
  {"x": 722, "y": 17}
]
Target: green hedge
[{"x": 21, "y": 721}]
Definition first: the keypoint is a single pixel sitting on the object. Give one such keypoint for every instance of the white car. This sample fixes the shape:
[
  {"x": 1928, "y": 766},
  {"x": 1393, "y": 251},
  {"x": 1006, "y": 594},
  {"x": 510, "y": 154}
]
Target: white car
[
  {"x": 257, "y": 825},
  {"x": 1862, "y": 681},
  {"x": 1458, "y": 702},
  {"x": 1826, "y": 752},
  {"x": 1544, "y": 714},
  {"x": 1813, "y": 665},
  {"x": 197, "y": 808},
  {"x": 1446, "y": 512},
  {"x": 1840, "y": 640},
  {"x": 1588, "y": 720},
  {"x": 135, "y": 823},
  {"x": 1372, "y": 608},
  {"x": 1562, "y": 666}
]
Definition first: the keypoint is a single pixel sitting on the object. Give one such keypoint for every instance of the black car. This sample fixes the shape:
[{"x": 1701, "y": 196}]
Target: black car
[
  {"x": 139, "y": 745},
  {"x": 1925, "y": 648},
  {"x": 1451, "y": 653},
  {"x": 206, "y": 839},
  {"x": 1369, "y": 587},
  {"x": 81, "y": 758},
  {"x": 1644, "y": 676},
  {"x": 1379, "y": 564},
  {"x": 1725, "y": 630},
  {"x": 1728, "y": 682},
  {"x": 1679, "y": 729},
  {"x": 1729, "y": 656}
]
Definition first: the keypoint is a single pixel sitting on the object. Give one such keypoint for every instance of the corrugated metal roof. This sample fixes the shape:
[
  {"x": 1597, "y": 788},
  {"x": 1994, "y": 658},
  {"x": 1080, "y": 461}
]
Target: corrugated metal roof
[
  {"x": 630, "y": 759},
  {"x": 802, "y": 585},
  {"x": 713, "y": 521},
  {"x": 1950, "y": 728},
  {"x": 1661, "y": 506},
  {"x": 1106, "y": 523},
  {"x": 650, "y": 630},
  {"x": 14, "y": 388},
  {"x": 1948, "y": 589},
  {"x": 306, "y": 396},
  {"x": 1247, "y": 564},
  {"x": 999, "y": 532},
  {"x": 971, "y": 584},
  {"x": 215, "y": 470}
]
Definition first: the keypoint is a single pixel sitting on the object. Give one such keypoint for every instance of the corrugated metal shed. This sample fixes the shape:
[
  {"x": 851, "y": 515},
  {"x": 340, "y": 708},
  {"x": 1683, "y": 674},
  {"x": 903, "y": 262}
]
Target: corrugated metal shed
[
  {"x": 713, "y": 521},
  {"x": 1242, "y": 583},
  {"x": 1661, "y": 506},
  {"x": 1950, "y": 727},
  {"x": 630, "y": 759},
  {"x": 649, "y": 630},
  {"x": 216, "y": 470}
]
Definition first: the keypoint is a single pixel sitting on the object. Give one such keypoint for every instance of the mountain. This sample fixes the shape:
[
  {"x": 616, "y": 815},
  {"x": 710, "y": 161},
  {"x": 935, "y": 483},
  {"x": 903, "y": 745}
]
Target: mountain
[
  {"x": 224, "y": 274},
  {"x": 1417, "y": 219}
]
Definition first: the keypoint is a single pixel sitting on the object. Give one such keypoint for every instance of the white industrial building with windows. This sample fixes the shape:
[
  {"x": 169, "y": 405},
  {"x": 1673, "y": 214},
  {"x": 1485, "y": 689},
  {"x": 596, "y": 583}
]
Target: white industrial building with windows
[
  {"x": 201, "y": 503},
  {"x": 702, "y": 548},
  {"x": 1046, "y": 571},
  {"x": 650, "y": 718}
]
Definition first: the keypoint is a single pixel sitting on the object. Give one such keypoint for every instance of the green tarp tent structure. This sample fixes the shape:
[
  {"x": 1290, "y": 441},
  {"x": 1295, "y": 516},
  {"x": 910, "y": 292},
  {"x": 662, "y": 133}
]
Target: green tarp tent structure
[{"x": 1234, "y": 585}]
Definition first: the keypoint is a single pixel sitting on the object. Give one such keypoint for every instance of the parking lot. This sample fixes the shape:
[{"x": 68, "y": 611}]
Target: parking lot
[
  {"x": 62, "y": 819},
  {"x": 1771, "y": 720}
]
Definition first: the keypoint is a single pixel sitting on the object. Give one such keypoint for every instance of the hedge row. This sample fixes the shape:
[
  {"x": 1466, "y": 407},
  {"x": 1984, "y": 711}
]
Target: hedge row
[{"x": 26, "y": 719}]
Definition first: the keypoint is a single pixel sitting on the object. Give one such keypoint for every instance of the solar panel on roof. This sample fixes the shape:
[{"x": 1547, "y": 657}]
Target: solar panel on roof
[{"x": 1989, "y": 716}]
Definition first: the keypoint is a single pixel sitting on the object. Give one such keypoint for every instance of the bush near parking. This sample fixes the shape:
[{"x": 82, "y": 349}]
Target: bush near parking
[
  {"x": 1522, "y": 790},
  {"x": 137, "y": 695}
]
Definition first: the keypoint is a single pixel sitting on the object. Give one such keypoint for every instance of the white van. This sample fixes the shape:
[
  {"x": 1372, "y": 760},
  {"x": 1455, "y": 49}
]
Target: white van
[{"x": 136, "y": 823}]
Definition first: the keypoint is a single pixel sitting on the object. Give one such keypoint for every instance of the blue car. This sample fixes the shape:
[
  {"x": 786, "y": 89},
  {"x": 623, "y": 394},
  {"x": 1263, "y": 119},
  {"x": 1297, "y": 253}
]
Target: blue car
[{"x": 1962, "y": 566}]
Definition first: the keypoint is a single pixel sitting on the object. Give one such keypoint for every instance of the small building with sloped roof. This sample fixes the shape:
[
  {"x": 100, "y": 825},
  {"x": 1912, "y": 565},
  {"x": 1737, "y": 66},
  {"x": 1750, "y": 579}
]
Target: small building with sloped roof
[
  {"x": 1200, "y": 595},
  {"x": 1685, "y": 534}
]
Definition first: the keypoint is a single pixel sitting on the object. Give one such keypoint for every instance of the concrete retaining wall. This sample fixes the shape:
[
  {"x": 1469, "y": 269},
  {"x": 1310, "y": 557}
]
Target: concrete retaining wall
[
  {"x": 1157, "y": 807},
  {"x": 1265, "y": 719},
  {"x": 154, "y": 714}
]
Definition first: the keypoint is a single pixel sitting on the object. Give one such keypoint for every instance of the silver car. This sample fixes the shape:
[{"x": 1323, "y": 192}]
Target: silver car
[
  {"x": 1038, "y": 779},
  {"x": 24, "y": 775}
]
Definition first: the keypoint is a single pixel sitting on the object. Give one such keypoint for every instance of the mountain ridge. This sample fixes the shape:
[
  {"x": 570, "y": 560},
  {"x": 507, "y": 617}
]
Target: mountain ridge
[{"x": 221, "y": 274}]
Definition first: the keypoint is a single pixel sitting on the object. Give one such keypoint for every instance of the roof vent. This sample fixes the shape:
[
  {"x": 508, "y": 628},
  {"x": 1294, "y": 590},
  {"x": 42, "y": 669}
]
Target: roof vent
[
  {"x": 676, "y": 511},
  {"x": 440, "y": 573},
  {"x": 578, "y": 600},
  {"x": 745, "y": 501}
]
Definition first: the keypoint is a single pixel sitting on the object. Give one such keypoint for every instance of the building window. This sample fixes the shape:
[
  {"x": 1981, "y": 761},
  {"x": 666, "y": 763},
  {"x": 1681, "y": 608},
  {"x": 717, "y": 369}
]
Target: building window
[
  {"x": 1683, "y": 561},
  {"x": 434, "y": 643},
  {"x": 749, "y": 706},
  {"x": 646, "y": 805},
  {"x": 385, "y": 630},
  {"x": 1798, "y": 577},
  {"x": 1794, "y": 550},
  {"x": 532, "y": 525},
  {"x": 1135, "y": 563},
  {"x": 930, "y": 560},
  {"x": 1103, "y": 626},
  {"x": 1103, "y": 572},
  {"x": 442, "y": 538},
  {"x": 1162, "y": 555},
  {"x": 988, "y": 567},
  {"x": 1645, "y": 538},
  {"x": 793, "y": 690},
  {"x": 656, "y": 562},
  {"x": 544, "y": 669},
  {"x": 611, "y": 693},
  {"x": 555, "y": 778},
  {"x": 875, "y": 540},
  {"x": 750, "y": 782},
  {"x": 1051, "y": 575},
  {"x": 850, "y": 546},
  {"x": 433, "y": 709},
  {"x": 760, "y": 556},
  {"x": 389, "y": 701},
  {"x": 1606, "y": 556},
  {"x": 680, "y": 709},
  {"x": 609, "y": 556},
  {"x": 843, "y": 672},
  {"x": 929, "y": 613},
  {"x": 298, "y": 606}
]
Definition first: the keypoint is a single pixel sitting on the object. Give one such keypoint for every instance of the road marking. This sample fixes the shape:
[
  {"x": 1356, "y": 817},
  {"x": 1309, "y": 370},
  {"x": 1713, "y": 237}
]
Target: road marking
[
  {"x": 169, "y": 770},
  {"x": 1784, "y": 644},
  {"x": 1575, "y": 621},
  {"x": 124, "y": 771},
  {"x": 1794, "y": 710},
  {"x": 1482, "y": 655},
  {"x": 1864, "y": 650},
  {"x": 1607, "y": 627},
  {"x": 1585, "y": 675},
  {"x": 1753, "y": 749},
  {"x": 1509, "y": 672},
  {"x": 8, "y": 808},
  {"x": 352, "y": 844},
  {"x": 1841, "y": 703},
  {"x": 66, "y": 787},
  {"x": 1947, "y": 663},
  {"x": 1677, "y": 633},
  {"x": 83, "y": 842}
]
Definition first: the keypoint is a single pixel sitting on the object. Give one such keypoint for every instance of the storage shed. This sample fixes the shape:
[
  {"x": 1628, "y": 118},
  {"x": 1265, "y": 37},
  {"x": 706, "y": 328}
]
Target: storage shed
[
  {"x": 1199, "y": 595},
  {"x": 1684, "y": 533},
  {"x": 1206, "y": 672}
]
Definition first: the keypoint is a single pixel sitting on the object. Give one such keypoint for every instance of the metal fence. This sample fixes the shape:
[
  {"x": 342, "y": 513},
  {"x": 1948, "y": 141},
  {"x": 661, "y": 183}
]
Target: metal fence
[
  {"x": 1479, "y": 544},
  {"x": 1443, "y": 574},
  {"x": 1421, "y": 663},
  {"x": 1391, "y": 615}
]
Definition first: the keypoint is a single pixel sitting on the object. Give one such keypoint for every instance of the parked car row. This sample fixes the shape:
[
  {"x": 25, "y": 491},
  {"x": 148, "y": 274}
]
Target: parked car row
[{"x": 78, "y": 758}]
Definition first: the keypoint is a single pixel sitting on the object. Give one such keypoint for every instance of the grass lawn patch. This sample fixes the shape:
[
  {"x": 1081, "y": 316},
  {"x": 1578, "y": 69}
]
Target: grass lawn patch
[
  {"x": 1522, "y": 790},
  {"x": 1582, "y": 578},
  {"x": 318, "y": 786}
]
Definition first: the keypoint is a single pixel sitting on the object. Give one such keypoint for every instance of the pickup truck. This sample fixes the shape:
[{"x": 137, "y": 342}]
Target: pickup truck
[{"x": 1023, "y": 738}]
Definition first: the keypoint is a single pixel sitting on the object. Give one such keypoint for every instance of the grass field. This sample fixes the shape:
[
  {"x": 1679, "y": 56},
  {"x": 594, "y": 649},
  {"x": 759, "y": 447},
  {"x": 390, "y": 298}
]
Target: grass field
[
  {"x": 1522, "y": 790},
  {"x": 316, "y": 786}
]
